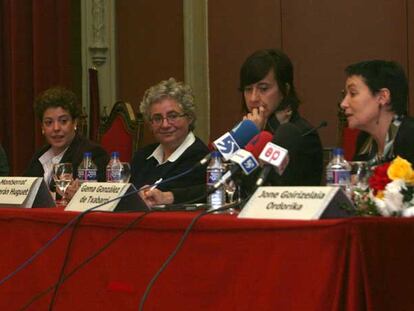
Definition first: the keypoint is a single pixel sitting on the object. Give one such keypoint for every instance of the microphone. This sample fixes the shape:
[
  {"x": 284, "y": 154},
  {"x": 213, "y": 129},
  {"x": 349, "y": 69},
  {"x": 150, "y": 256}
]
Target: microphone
[
  {"x": 232, "y": 141},
  {"x": 258, "y": 142},
  {"x": 276, "y": 153},
  {"x": 322, "y": 124},
  {"x": 246, "y": 158},
  {"x": 236, "y": 139}
]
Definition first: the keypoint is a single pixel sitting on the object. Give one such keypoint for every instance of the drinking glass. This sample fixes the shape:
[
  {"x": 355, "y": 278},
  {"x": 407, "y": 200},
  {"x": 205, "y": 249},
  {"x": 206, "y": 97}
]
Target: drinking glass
[
  {"x": 125, "y": 172},
  {"x": 63, "y": 176},
  {"x": 359, "y": 175},
  {"x": 230, "y": 190}
]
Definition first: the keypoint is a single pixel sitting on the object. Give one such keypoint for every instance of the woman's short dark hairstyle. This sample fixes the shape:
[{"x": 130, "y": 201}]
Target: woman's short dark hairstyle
[
  {"x": 258, "y": 65},
  {"x": 378, "y": 74},
  {"x": 56, "y": 97}
]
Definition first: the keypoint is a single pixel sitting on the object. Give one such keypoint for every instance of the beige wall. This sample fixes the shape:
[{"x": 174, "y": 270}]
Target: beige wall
[{"x": 321, "y": 37}]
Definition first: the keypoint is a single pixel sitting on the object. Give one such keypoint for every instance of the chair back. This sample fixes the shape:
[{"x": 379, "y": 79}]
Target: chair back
[{"x": 122, "y": 131}]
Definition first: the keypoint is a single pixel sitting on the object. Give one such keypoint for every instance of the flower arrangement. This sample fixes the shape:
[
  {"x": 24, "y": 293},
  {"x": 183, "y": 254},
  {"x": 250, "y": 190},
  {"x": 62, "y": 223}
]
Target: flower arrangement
[{"x": 391, "y": 191}]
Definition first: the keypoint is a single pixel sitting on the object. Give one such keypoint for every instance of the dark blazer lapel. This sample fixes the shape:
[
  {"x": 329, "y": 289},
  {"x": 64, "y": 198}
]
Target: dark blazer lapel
[
  {"x": 37, "y": 169},
  {"x": 72, "y": 150}
]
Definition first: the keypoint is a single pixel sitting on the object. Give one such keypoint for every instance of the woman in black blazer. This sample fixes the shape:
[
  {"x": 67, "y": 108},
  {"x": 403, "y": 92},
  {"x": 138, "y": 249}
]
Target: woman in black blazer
[{"x": 58, "y": 111}]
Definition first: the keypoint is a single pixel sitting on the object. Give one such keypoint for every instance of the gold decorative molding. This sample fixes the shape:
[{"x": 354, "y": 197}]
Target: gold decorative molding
[{"x": 98, "y": 50}]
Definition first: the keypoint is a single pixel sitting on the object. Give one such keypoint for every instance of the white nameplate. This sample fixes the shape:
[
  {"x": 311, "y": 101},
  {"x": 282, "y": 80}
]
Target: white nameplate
[
  {"x": 91, "y": 194},
  {"x": 24, "y": 192},
  {"x": 301, "y": 203}
]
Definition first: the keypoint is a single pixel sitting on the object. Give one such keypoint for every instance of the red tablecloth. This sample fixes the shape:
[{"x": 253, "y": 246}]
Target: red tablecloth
[{"x": 226, "y": 263}]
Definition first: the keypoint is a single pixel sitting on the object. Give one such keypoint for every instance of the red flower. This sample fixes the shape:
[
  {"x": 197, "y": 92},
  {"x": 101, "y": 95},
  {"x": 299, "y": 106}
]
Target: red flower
[{"x": 379, "y": 179}]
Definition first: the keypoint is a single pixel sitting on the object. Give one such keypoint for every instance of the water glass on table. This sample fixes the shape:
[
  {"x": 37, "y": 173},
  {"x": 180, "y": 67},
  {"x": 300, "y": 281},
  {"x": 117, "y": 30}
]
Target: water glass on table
[
  {"x": 359, "y": 174},
  {"x": 231, "y": 190},
  {"x": 119, "y": 172},
  {"x": 125, "y": 172},
  {"x": 62, "y": 176}
]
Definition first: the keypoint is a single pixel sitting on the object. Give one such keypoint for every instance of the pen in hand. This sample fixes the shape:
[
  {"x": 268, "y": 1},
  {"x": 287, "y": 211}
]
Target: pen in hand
[{"x": 155, "y": 184}]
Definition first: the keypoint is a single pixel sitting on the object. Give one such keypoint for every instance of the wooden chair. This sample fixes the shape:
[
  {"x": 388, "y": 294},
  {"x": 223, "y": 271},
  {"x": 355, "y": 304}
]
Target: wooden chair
[
  {"x": 122, "y": 131},
  {"x": 82, "y": 125}
]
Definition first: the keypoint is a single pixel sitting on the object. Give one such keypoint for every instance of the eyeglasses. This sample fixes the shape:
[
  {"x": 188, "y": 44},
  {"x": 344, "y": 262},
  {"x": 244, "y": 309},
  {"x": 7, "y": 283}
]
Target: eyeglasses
[{"x": 171, "y": 118}]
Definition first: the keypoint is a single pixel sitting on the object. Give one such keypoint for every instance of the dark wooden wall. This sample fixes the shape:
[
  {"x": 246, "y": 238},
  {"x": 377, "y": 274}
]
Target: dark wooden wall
[
  {"x": 232, "y": 37},
  {"x": 150, "y": 46},
  {"x": 321, "y": 37}
]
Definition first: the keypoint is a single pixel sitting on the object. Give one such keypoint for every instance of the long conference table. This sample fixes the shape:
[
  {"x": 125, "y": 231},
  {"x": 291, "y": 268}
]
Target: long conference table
[{"x": 225, "y": 263}]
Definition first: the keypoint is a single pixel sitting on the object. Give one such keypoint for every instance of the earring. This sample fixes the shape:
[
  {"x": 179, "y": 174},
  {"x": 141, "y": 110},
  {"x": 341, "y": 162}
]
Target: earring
[
  {"x": 76, "y": 128},
  {"x": 43, "y": 132}
]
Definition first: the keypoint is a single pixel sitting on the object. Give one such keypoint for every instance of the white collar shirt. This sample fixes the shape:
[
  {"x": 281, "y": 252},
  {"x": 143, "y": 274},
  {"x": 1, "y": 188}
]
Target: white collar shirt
[
  {"x": 47, "y": 160},
  {"x": 158, "y": 153}
]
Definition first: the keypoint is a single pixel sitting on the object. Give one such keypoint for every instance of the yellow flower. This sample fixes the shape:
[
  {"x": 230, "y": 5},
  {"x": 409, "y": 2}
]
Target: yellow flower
[
  {"x": 411, "y": 179},
  {"x": 380, "y": 194},
  {"x": 400, "y": 169}
]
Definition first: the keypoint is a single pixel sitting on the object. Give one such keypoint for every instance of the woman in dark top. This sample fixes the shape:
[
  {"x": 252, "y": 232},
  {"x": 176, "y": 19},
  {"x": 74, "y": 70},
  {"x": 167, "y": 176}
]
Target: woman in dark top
[
  {"x": 57, "y": 111},
  {"x": 169, "y": 109},
  {"x": 269, "y": 100},
  {"x": 375, "y": 102}
]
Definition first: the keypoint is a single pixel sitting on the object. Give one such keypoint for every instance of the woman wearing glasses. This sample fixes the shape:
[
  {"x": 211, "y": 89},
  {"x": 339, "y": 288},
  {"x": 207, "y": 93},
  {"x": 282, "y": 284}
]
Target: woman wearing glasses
[{"x": 169, "y": 109}]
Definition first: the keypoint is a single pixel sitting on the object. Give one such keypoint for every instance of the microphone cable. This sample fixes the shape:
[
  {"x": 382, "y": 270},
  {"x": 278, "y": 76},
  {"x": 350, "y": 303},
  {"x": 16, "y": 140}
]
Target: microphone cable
[
  {"x": 69, "y": 224},
  {"x": 177, "y": 248},
  {"x": 244, "y": 202},
  {"x": 66, "y": 256},
  {"x": 55, "y": 237},
  {"x": 65, "y": 261},
  {"x": 61, "y": 278},
  {"x": 64, "y": 278}
]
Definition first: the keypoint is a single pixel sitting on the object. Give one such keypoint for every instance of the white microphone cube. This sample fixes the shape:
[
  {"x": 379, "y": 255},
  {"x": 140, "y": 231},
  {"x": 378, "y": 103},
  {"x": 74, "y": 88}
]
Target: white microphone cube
[
  {"x": 276, "y": 156},
  {"x": 245, "y": 160},
  {"x": 226, "y": 145}
]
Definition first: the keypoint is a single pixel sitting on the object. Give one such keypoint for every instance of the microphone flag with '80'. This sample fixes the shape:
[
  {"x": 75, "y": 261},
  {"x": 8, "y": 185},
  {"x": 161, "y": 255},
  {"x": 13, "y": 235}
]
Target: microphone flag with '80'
[
  {"x": 275, "y": 154},
  {"x": 236, "y": 139}
]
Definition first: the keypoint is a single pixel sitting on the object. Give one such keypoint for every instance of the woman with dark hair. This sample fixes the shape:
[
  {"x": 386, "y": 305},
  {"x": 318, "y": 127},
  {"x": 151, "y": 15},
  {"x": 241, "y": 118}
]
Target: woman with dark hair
[
  {"x": 375, "y": 102},
  {"x": 58, "y": 111},
  {"x": 269, "y": 100}
]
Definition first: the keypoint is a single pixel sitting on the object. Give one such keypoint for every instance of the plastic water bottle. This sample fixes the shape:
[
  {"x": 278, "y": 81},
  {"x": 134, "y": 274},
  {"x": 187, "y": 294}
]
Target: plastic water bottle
[
  {"x": 338, "y": 171},
  {"x": 215, "y": 170},
  {"x": 114, "y": 168},
  {"x": 87, "y": 170}
]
